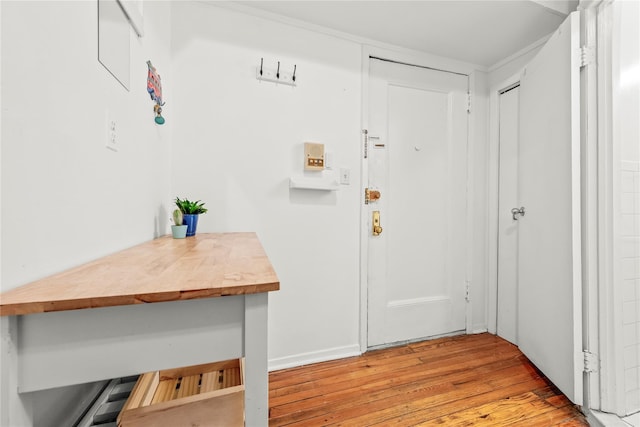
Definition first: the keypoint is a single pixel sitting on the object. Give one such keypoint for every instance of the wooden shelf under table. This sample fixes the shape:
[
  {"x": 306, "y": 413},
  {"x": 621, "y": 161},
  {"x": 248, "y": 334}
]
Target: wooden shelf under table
[{"x": 203, "y": 395}]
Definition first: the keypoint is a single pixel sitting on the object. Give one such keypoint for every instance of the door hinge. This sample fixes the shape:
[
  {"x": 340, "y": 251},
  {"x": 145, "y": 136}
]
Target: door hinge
[
  {"x": 468, "y": 102},
  {"x": 587, "y": 56},
  {"x": 366, "y": 142},
  {"x": 591, "y": 362},
  {"x": 467, "y": 295}
]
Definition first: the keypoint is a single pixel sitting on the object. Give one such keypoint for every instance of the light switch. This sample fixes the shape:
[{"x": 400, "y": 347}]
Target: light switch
[{"x": 345, "y": 176}]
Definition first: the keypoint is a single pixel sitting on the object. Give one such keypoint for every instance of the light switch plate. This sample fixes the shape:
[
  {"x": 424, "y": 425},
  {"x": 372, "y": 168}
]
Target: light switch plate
[
  {"x": 111, "y": 142},
  {"x": 345, "y": 176}
]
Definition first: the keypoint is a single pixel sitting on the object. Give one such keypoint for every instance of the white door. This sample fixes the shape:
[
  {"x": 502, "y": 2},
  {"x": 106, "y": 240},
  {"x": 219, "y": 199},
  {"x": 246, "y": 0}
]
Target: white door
[
  {"x": 507, "y": 226},
  {"x": 549, "y": 267},
  {"x": 418, "y": 162}
]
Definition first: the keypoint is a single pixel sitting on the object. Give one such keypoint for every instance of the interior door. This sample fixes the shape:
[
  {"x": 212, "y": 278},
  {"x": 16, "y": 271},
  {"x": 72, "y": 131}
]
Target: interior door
[
  {"x": 418, "y": 163},
  {"x": 507, "y": 225},
  {"x": 549, "y": 267}
]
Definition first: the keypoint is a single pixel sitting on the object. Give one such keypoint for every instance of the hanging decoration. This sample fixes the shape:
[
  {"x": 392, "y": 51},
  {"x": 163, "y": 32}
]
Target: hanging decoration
[{"x": 154, "y": 87}]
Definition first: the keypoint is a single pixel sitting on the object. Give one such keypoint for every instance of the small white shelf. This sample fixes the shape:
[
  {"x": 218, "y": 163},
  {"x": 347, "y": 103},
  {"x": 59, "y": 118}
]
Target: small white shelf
[{"x": 324, "y": 184}]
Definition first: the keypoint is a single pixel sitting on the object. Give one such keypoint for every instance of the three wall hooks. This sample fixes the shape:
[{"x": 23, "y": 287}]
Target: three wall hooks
[{"x": 275, "y": 75}]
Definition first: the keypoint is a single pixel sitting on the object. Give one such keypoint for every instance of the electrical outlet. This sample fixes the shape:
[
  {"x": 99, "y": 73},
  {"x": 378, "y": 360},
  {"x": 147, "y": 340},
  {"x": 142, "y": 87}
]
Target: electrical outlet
[{"x": 112, "y": 127}]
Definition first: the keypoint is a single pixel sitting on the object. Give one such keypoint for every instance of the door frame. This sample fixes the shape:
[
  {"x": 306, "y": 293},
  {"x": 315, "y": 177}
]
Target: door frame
[
  {"x": 607, "y": 392},
  {"x": 593, "y": 203},
  {"x": 424, "y": 60}
]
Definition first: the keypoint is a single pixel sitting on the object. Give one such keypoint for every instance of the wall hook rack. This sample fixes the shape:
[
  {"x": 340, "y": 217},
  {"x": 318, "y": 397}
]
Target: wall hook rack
[{"x": 275, "y": 75}]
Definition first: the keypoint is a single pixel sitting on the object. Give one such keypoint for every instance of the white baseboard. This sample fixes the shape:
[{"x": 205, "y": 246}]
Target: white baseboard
[
  {"x": 603, "y": 419},
  {"x": 479, "y": 329},
  {"x": 314, "y": 357},
  {"x": 329, "y": 354}
]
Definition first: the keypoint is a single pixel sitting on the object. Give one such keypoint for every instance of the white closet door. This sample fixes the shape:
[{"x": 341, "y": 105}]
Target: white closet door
[
  {"x": 549, "y": 262},
  {"x": 508, "y": 227}
]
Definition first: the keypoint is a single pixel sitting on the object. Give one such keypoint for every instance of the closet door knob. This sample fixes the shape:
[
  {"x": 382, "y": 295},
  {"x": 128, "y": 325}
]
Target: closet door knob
[{"x": 515, "y": 212}]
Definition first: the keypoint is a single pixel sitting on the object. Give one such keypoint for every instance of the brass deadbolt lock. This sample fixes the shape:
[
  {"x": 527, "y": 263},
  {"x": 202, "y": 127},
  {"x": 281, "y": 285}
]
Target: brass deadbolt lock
[
  {"x": 371, "y": 195},
  {"x": 377, "y": 229}
]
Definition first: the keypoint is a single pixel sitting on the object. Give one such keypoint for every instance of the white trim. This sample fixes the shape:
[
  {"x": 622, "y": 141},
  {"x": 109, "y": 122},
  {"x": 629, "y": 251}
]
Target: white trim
[
  {"x": 559, "y": 8},
  {"x": 576, "y": 211},
  {"x": 422, "y": 59},
  {"x": 519, "y": 53},
  {"x": 611, "y": 378},
  {"x": 493, "y": 171},
  {"x": 364, "y": 212},
  {"x": 590, "y": 247},
  {"x": 601, "y": 419},
  {"x": 314, "y": 357},
  {"x": 615, "y": 293},
  {"x": 381, "y": 49},
  {"x": 470, "y": 196}
]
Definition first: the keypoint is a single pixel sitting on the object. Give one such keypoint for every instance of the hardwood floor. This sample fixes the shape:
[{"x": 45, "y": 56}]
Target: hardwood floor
[{"x": 455, "y": 381}]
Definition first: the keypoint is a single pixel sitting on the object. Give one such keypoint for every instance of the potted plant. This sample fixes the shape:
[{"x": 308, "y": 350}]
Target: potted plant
[
  {"x": 190, "y": 211},
  {"x": 178, "y": 230}
]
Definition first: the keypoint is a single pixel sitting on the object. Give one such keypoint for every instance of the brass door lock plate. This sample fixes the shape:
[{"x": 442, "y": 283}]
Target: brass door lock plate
[{"x": 377, "y": 229}]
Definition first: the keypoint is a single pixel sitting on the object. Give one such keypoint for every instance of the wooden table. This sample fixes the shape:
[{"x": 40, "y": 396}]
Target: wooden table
[{"x": 95, "y": 322}]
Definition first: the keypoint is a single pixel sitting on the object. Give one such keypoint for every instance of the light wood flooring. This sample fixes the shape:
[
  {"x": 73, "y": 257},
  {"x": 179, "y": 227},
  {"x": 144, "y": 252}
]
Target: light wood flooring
[{"x": 456, "y": 381}]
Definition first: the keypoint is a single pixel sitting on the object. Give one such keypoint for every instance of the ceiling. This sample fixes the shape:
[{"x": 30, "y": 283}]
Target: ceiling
[{"x": 475, "y": 31}]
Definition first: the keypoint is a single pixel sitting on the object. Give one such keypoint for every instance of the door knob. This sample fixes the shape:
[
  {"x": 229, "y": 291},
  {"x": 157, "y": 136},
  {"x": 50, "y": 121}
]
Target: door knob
[
  {"x": 377, "y": 229},
  {"x": 515, "y": 212}
]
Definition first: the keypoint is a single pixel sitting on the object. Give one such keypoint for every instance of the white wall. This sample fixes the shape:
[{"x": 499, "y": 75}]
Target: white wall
[
  {"x": 626, "y": 192},
  {"x": 229, "y": 140},
  {"x": 479, "y": 209},
  {"x": 236, "y": 143},
  {"x": 65, "y": 198}
]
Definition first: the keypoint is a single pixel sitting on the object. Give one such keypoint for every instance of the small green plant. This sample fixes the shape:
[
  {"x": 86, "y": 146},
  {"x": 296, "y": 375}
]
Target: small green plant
[
  {"x": 190, "y": 208},
  {"x": 177, "y": 217}
]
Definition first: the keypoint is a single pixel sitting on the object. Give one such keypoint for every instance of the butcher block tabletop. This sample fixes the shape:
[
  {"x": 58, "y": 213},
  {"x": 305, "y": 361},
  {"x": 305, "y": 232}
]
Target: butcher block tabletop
[{"x": 164, "y": 269}]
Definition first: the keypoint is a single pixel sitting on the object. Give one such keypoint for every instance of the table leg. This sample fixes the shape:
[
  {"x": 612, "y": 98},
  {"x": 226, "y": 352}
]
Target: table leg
[{"x": 256, "y": 401}]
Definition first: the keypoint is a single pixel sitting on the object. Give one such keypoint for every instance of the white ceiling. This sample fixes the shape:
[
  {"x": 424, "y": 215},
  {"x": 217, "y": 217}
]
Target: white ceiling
[{"x": 481, "y": 32}]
